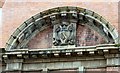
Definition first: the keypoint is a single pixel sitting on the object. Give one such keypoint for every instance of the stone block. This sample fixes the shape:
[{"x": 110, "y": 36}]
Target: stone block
[
  {"x": 14, "y": 66},
  {"x": 76, "y": 64},
  {"x": 58, "y": 65}
]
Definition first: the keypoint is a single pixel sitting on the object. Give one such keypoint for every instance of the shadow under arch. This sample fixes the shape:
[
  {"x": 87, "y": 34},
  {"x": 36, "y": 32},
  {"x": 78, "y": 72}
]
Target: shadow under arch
[{"x": 40, "y": 21}]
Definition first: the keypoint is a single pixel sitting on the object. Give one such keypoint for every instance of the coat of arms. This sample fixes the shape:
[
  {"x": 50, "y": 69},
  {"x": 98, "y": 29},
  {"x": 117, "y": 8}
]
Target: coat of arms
[{"x": 64, "y": 34}]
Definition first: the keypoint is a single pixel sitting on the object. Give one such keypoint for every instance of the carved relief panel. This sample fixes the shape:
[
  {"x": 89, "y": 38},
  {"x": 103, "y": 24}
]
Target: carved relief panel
[{"x": 64, "y": 34}]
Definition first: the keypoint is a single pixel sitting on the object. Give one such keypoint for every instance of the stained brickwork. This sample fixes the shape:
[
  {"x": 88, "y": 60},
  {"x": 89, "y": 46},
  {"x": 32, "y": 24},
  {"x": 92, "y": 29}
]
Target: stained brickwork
[
  {"x": 43, "y": 39},
  {"x": 84, "y": 37}
]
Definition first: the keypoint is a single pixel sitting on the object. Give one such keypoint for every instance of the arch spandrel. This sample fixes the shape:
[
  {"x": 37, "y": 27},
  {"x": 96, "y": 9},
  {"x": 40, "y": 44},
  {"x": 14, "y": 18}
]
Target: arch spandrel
[{"x": 23, "y": 34}]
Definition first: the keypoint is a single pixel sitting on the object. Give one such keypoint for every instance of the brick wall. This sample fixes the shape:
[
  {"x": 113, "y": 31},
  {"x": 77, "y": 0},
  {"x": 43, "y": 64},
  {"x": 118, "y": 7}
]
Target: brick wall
[{"x": 16, "y": 12}]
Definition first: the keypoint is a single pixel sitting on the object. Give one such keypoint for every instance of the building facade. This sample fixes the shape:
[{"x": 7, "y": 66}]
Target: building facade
[{"x": 60, "y": 37}]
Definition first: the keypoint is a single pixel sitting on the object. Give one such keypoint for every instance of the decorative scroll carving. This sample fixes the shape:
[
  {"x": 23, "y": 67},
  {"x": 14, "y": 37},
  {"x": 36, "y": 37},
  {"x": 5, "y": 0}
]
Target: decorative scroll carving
[{"x": 64, "y": 34}]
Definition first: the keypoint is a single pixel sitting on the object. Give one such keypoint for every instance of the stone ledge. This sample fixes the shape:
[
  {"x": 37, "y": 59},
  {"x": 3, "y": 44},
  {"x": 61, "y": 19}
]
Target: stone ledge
[{"x": 103, "y": 49}]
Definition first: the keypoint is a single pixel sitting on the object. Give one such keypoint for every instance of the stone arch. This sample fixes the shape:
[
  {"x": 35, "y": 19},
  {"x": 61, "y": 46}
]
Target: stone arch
[{"x": 39, "y": 22}]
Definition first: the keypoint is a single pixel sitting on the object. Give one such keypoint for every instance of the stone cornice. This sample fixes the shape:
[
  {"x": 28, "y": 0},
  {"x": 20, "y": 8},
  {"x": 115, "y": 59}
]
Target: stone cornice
[{"x": 103, "y": 49}]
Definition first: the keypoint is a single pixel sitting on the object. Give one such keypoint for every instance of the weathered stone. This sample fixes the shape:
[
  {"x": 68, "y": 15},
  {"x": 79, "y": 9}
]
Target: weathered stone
[
  {"x": 14, "y": 66},
  {"x": 64, "y": 34}
]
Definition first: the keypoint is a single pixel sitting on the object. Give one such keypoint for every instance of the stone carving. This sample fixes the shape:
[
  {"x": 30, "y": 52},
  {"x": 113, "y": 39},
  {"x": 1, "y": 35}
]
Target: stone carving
[{"x": 64, "y": 34}]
